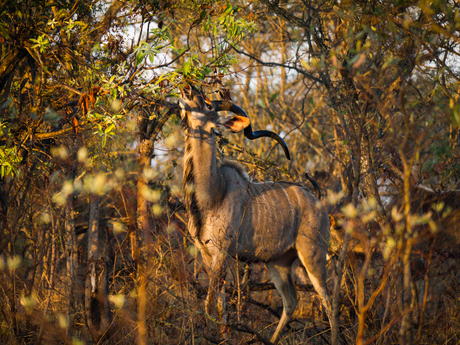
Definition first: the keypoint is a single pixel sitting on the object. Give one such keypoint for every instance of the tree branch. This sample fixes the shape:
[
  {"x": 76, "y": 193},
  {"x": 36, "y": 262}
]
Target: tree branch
[
  {"x": 275, "y": 64},
  {"x": 104, "y": 25}
]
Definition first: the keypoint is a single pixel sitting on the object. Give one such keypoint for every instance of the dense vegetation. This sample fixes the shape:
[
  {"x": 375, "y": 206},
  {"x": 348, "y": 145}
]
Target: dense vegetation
[{"x": 93, "y": 242}]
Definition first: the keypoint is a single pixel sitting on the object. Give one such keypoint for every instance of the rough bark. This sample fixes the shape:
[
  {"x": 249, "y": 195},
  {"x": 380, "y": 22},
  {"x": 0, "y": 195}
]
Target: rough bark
[
  {"x": 71, "y": 262},
  {"x": 3, "y": 213},
  {"x": 406, "y": 330},
  {"x": 365, "y": 166},
  {"x": 144, "y": 227},
  {"x": 148, "y": 131},
  {"x": 97, "y": 305},
  {"x": 52, "y": 268},
  {"x": 143, "y": 221}
]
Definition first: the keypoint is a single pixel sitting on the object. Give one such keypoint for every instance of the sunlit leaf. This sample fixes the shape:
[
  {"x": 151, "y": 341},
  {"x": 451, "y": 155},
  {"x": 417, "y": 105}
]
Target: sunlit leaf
[{"x": 186, "y": 68}]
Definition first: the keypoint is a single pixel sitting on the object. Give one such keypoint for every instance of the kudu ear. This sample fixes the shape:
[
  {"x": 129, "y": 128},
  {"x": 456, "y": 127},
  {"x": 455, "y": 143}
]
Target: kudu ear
[
  {"x": 191, "y": 97},
  {"x": 183, "y": 104},
  {"x": 248, "y": 133},
  {"x": 235, "y": 123}
]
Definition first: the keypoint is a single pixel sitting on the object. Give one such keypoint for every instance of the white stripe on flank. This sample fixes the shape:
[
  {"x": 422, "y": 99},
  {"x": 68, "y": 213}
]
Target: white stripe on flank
[
  {"x": 274, "y": 203},
  {"x": 289, "y": 205},
  {"x": 262, "y": 205}
]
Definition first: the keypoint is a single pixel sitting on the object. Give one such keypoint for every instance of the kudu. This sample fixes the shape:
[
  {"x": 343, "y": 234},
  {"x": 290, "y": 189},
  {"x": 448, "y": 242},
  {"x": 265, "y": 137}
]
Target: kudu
[{"x": 272, "y": 222}]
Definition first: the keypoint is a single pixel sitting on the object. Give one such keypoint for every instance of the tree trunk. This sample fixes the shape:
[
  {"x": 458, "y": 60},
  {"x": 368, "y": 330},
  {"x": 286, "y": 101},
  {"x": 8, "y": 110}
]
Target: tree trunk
[
  {"x": 144, "y": 232},
  {"x": 3, "y": 213},
  {"x": 143, "y": 221},
  {"x": 370, "y": 184},
  {"x": 97, "y": 305},
  {"x": 52, "y": 268},
  {"x": 363, "y": 144},
  {"x": 71, "y": 262},
  {"x": 405, "y": 332},
  {"x": 143, "y": 240}
]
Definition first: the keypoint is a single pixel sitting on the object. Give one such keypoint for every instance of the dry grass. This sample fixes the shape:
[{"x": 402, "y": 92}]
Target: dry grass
[{"x": 370, "y": 299}]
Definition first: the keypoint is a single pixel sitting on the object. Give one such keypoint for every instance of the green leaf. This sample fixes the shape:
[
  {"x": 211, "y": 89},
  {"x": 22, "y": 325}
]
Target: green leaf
[
  {"x": 151, "y": 56},
  {"x": 207, "y": 70},
  {"x": 273, "y": 97},
  {"x": 96, "y": 47},
  {"x": 139, "y": 57},
  {"x": 9, "y": 161},
  {"x": 186, "y": 68},
  {"x": 109, "y": 129}
]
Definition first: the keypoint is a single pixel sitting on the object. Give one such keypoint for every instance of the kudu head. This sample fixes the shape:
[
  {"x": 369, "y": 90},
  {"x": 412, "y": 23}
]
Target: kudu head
[{"x": 197, "y": 111}]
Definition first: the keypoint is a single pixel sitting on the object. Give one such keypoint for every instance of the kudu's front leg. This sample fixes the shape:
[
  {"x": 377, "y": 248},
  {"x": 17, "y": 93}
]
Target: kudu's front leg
[{"x": 217, "y": 287}]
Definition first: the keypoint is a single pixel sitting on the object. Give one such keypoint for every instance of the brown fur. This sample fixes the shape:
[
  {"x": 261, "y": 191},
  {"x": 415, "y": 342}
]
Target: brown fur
[{"x": 272, "y": 222}]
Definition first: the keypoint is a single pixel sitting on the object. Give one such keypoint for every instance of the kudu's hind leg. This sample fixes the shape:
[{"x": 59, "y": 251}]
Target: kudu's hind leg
[
  {"x": 315, "y": 263},
  {"x": 280, "y": 272}
]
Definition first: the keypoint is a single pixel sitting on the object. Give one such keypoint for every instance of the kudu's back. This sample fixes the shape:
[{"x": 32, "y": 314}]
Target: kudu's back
[{"x": 263, "y": 221}]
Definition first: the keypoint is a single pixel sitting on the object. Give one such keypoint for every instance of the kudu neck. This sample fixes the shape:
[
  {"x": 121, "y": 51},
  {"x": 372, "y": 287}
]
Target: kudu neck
[{"x": 202, "y": 176}]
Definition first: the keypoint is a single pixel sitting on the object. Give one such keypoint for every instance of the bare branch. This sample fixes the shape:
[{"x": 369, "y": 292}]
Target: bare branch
[{"x": 275, "y": 64}]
